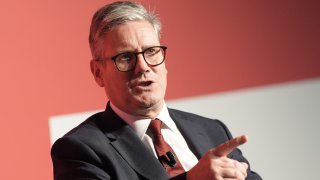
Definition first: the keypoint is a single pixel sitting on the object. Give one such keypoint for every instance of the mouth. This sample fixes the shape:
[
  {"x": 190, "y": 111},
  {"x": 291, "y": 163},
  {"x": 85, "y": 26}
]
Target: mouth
[
  {"x": 141, "y": 85},
  {"x": 144, "y": 83}
]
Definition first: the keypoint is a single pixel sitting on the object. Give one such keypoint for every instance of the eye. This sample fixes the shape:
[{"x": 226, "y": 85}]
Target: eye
[
  {"x": 151, "y": 51},
  {"x": 125, "y": 57}
]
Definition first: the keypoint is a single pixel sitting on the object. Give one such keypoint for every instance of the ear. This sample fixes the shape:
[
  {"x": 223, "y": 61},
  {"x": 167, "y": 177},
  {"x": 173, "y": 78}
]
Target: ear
[{"x": 97, "y": 72}]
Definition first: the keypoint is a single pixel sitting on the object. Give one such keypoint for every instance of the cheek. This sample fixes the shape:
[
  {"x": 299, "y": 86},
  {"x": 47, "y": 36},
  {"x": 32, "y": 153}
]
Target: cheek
[
  {"x": 163, "y": 77},
  {"x": 114, "y": 82},
  {"x": 118, "y": 82}
]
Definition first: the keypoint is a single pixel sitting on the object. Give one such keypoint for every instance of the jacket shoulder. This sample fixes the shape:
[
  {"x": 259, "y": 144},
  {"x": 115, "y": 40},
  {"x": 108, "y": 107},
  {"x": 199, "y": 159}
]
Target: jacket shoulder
[
  {"x": 84, "y": 132},
  {"x": 193, "y": 117}
]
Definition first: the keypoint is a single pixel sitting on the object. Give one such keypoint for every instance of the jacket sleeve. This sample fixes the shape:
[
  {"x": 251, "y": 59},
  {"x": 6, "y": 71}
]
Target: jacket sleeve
[{"x": 75, "y": 160}]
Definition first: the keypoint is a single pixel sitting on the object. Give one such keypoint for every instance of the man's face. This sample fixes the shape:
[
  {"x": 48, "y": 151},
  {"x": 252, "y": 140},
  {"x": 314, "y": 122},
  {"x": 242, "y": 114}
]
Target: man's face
[{"x": 140, "y": 91}]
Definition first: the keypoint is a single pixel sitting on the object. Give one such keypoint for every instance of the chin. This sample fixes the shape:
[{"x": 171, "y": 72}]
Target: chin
[{"x": 148, "y": 102}]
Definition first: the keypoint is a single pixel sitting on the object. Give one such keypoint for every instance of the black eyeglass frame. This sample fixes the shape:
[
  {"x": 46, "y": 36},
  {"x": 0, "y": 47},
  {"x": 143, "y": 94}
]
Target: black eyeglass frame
[{"x": 164, "y": 48}]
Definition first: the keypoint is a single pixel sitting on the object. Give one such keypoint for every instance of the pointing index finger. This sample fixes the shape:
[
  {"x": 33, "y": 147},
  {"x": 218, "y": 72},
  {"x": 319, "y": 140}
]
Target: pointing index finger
[{"x": 227, "y": 147}]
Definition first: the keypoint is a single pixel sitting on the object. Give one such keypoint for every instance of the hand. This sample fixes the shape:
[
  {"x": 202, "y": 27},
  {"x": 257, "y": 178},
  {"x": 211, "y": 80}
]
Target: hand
[{"x": 215, "y": 165}]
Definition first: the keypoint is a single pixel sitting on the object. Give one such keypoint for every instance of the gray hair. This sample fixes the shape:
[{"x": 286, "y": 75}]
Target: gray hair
[{"x": 114, "y": 14}]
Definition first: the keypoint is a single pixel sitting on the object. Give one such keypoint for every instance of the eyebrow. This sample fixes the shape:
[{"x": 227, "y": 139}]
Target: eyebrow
[{"x": 124, "y": 50}]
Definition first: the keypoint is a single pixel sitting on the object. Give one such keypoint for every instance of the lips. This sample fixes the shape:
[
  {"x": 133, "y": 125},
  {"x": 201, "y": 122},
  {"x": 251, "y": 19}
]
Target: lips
[
  {"x": 141, "y": 84},
  {"x": 144, "y": 83}
]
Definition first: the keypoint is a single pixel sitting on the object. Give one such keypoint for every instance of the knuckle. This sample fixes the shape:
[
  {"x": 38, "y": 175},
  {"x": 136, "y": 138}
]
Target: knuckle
[
  {"x": 214, "y": 170},
  {"x": 213, "y": 167},
  {"x": 236, "y": 164},
  {"x": 245, "y": 165},
  {"x": 238, "y": 175}
]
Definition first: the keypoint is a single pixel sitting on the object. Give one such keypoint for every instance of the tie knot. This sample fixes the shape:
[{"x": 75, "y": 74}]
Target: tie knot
[{"x": 155, "y": 127}]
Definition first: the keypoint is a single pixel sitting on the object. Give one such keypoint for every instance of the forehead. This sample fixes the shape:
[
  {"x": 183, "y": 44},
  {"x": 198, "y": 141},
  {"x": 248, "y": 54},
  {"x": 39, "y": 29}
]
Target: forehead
[{"x": 135, "y": 35}]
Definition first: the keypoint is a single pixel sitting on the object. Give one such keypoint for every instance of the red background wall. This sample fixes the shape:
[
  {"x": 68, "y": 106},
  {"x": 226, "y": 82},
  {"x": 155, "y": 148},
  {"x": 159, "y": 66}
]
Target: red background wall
[{"x": 214, "y": 46}]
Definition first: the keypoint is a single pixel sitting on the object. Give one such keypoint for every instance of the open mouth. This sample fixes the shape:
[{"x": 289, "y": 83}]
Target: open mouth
[{"x": 145, "y": 83}]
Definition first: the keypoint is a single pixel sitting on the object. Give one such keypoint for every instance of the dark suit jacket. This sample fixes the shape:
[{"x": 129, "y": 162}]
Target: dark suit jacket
[{"x": 105, "y": 147}]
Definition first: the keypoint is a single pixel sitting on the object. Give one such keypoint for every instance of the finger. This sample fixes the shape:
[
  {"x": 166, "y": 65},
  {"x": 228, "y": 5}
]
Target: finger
[
  {"x": 227, "y": 147},
  {"x": 242, "y": 167},
  {"x": 225, "y": 162},
  {"x": 231, "y": 173},
  {"x": 245, "y": 165}
]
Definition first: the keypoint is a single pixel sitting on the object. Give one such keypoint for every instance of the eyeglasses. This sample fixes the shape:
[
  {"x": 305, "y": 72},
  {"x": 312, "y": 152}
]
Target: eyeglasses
[{"x": 127, "y": 61}]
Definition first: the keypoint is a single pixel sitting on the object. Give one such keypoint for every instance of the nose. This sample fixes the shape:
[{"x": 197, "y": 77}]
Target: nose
[{"x": 141, "y": 65}]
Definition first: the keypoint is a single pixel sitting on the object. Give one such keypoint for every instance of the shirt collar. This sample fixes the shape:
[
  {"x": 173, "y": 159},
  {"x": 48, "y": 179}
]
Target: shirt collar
[{"x": 140, "y": 126}]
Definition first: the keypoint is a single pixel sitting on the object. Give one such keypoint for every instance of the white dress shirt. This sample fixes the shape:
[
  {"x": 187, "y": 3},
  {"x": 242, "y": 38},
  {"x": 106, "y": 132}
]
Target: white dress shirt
[{"x": 170, "y": 133}]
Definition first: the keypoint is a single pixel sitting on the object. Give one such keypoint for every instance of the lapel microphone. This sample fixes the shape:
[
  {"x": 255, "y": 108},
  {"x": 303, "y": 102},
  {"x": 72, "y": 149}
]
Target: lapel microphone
[{"x": 169, "y": 159}]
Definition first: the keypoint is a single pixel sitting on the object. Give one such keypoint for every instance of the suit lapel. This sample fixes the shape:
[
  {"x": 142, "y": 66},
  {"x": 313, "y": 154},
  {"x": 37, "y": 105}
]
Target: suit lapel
[
  {"x": 193, "y": 133},
  {"x": 130, "y": 146}
]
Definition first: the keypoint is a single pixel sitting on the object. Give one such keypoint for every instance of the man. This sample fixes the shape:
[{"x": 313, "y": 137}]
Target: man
[{"x": 137, "y": 136}]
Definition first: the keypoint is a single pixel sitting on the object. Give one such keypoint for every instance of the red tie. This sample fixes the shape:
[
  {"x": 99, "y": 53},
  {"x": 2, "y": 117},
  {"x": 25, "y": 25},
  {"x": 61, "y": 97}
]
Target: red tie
[{"x": 165, "y": 153}]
